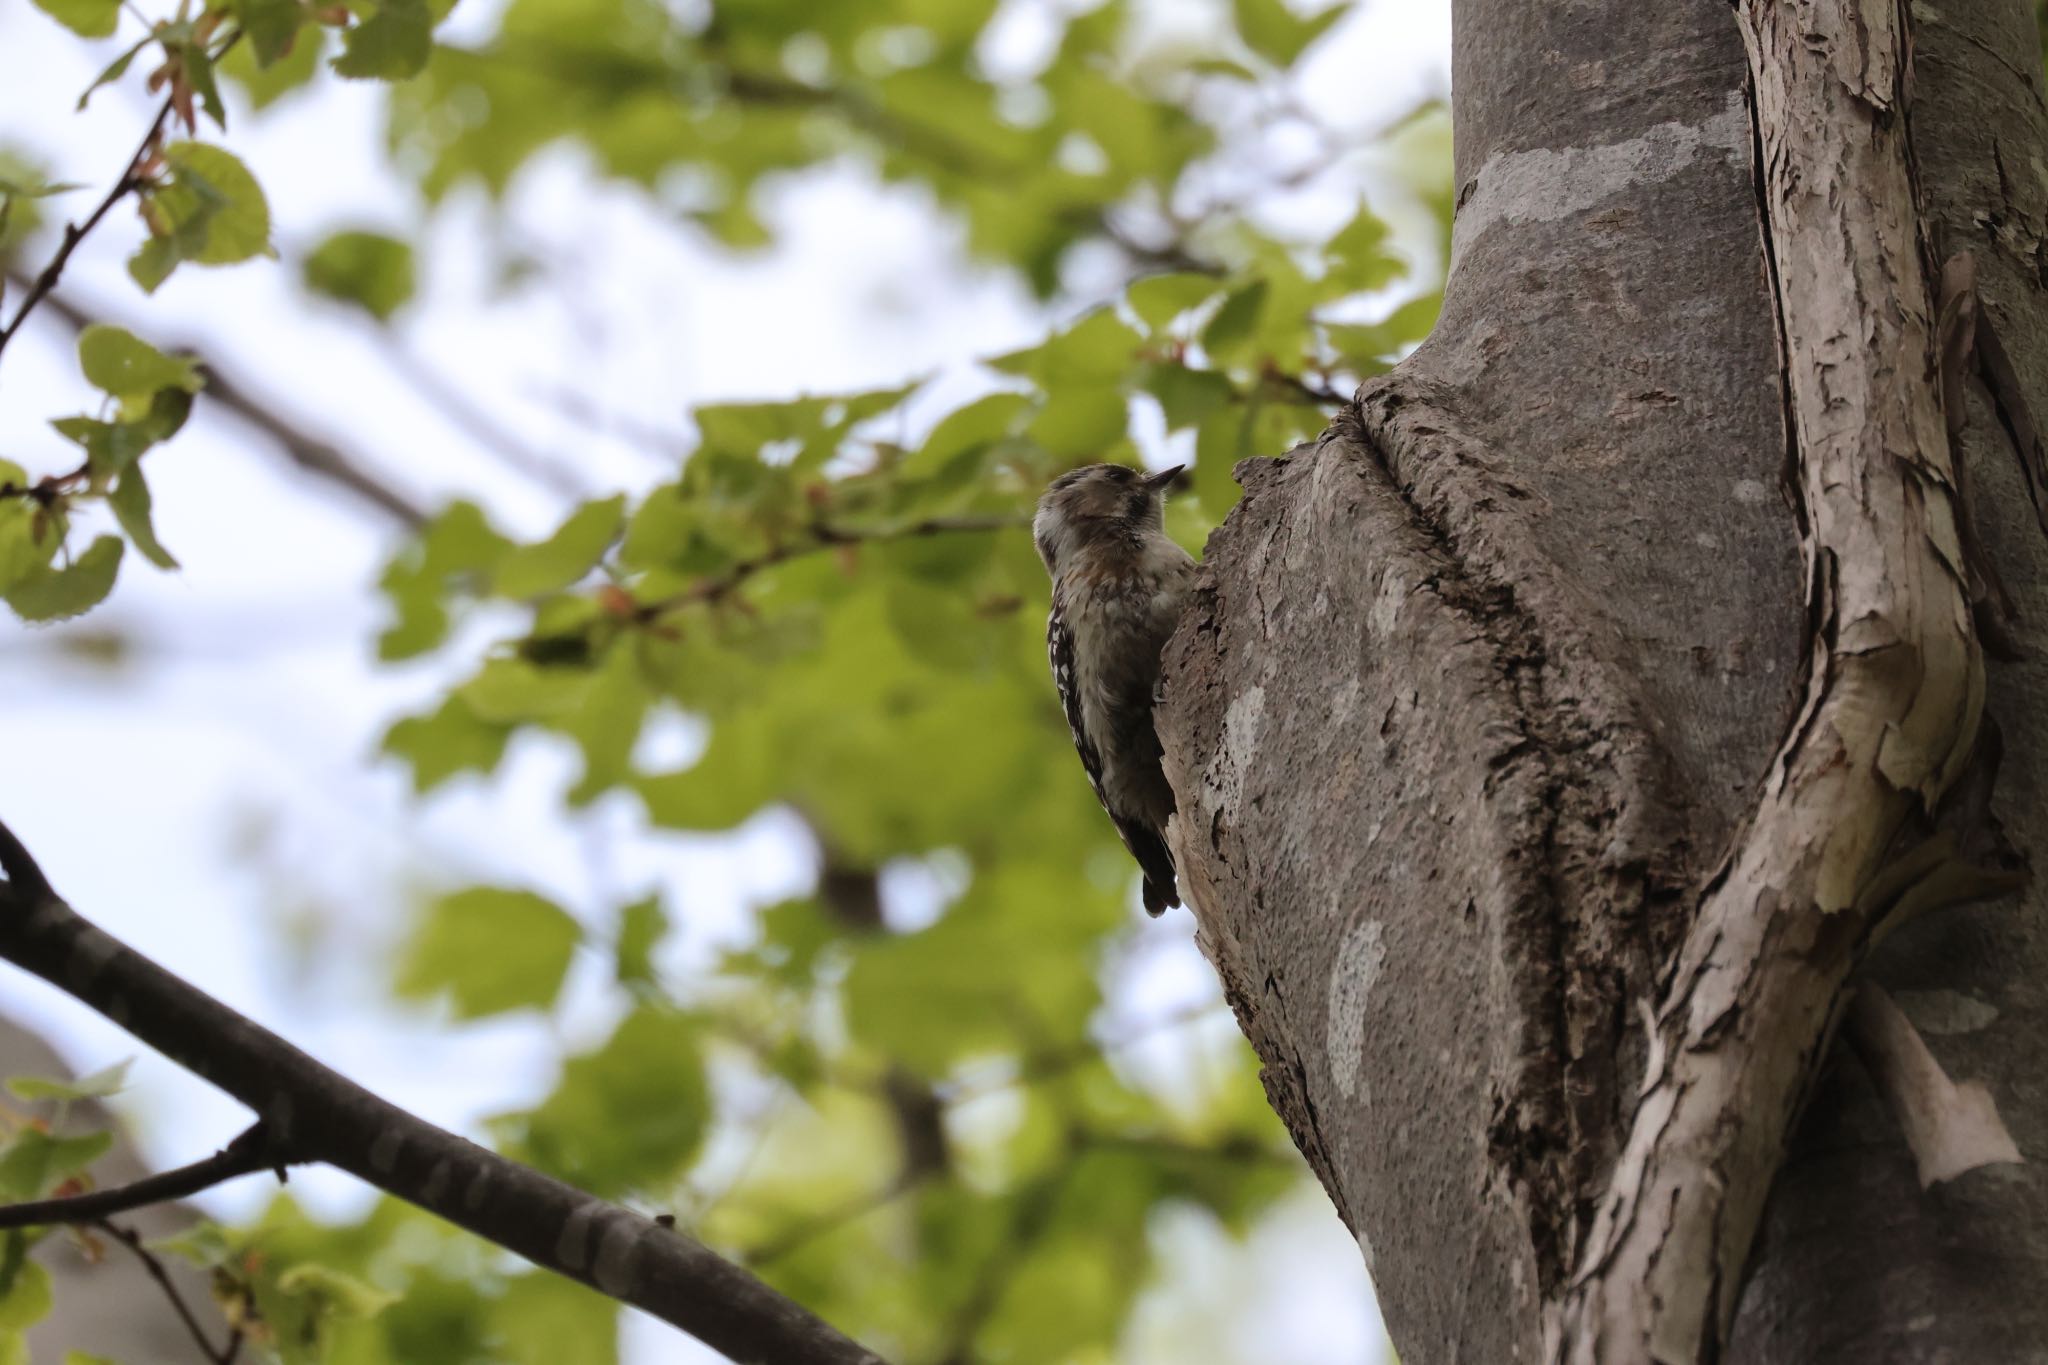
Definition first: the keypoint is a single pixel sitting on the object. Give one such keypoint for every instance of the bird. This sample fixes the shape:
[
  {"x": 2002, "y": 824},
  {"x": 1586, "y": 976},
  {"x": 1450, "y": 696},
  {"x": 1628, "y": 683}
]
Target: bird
[{"x": 1118, "y": 587}]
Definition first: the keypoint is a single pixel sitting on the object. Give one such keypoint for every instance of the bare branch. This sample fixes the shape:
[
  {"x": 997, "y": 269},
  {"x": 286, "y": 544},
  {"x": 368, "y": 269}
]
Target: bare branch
[
  {"x": 319, "y": 1115},
  {"x": 469, "y": 415},
  {"x": 131, "y": 179},
  {"x": 317, "y": 456},
  {"x": 253, "y": 1151},
  {"x": 153, "y": 1264}
]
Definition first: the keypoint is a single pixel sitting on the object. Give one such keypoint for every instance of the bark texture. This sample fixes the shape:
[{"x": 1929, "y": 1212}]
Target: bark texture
[{"x": 1555, "y": 736}]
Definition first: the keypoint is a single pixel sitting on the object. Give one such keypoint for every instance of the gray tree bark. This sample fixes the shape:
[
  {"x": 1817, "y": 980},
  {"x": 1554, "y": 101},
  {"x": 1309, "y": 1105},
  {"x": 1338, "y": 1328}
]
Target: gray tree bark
[{"x": 1602, "y": 704}]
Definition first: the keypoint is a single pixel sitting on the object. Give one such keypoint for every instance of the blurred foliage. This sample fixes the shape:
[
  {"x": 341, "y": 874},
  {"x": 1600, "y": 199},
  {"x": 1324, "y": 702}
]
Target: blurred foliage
[{"x": 934, "y": 1150}]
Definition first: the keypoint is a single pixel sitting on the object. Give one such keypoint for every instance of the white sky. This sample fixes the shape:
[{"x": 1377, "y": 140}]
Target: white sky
[{"x": 216, "y": 802}]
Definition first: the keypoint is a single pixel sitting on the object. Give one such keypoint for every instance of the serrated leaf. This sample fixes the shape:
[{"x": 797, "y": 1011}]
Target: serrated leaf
[
  {"x": 367, "y": 269},
  {"x": 131, "y": 505},
  {"x": 564, "y": 557},
  {"x": 118, "y": 362},
  {"x": 52, "y": 594},
  {"x": 490, "y": 950},
  {"x": 97, "y": 1086},
  {"x": 86, "y": 18},
  {"x": 390, "y": 45}
]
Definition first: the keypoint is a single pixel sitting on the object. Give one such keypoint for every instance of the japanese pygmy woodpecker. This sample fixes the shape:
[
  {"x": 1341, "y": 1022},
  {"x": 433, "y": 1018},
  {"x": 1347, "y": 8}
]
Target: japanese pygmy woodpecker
[{"x": 1118, "y": 586}]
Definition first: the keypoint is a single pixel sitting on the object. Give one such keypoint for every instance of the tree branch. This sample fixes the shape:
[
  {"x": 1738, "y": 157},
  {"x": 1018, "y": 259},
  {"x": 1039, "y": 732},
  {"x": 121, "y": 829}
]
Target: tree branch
[
  {"x": 253, "y": 1151},
  {"x": 154, "y": 1265},
  {"x": 819, "y": 537},
  {"x": 131, "y": 177},
  {"x": 320, "y": 458},
  {"x": 319, "y": 1115}
]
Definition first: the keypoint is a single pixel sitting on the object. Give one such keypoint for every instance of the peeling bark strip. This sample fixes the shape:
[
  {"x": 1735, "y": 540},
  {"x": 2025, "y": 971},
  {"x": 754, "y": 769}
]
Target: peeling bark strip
[
  {"x": 1894, "y": 695},
  {"x": 309, "y": 1113}
]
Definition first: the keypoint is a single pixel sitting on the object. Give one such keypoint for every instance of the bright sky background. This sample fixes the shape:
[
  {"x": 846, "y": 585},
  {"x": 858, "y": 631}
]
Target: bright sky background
[{"x": 214, "y": 799}]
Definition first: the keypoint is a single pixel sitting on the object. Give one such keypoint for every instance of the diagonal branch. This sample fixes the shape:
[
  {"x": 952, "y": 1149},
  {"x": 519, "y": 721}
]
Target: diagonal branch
[
  {"x": 317, "y": 1114},
  {"x": 154, "y": 1266},
  {"x": 131, "y": 178},
  {"x": 313, "y": 454},
  {"x": 253, "y": 1151}
]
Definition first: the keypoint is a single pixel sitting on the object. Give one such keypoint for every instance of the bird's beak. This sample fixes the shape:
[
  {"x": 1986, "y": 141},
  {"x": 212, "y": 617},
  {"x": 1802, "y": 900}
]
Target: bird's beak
[{"x": 1166, "y": 480}]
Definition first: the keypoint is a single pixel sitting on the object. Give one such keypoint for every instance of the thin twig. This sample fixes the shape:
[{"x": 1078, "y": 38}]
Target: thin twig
[
  {"x": 131, "y": 179},
  {"x": 468, "y": 415},
  {"x": 318, "y": 457},
  {"x": 128, "y": 1237},
  {"x": 817, "y": 538},
  {"x": 253, "y": 1151}
]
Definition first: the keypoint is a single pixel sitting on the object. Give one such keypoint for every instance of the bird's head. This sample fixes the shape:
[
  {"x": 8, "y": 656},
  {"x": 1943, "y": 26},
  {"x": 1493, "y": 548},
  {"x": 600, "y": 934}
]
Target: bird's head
[{"x": 1097, "y": 503}]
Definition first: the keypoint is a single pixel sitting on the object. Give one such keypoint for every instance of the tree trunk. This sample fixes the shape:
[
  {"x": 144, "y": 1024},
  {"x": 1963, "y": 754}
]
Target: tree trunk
[{"x": 1566, "y": 738}]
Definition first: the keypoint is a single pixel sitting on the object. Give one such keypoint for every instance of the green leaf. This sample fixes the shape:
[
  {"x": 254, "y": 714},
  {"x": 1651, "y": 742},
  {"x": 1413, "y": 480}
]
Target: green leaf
[
  {"x": 86, "y": 18},
  {"x": 1224, "y": 438},
  {"x": 1159, "y": 299},
  {"x": 545, "y": 1319},
  {"x": 131, "y": 504},
  {"x": 52, "y": 594},
  {"x": 566, "y": 556},
  {"x": 450, "y": 740},
  {"x": 1080, "y": 421},
  {"x": 111, "y": 447},
  {"x": 1357, "y": 258},
  {"x": 642, "y": 927},
  {"x": 1097, "y": 348},
  {"x": 391, "y": 44},
  {"x": 367, "y": 269},
  {"x": 118, "y": 362},
  {"x": 97, "y": 1086},
  {"x": 81, "y": 1358},
  {"x": 26, "y": 1299},
  {"x": 34, "y": 1163},
  {"x": 270, "y": 26},
  {"x": 629, "y": 1114},
  {"x": 30, "y": 534},
  {"x": 1236, "y": 322},
  {"x": 212, "y": 212},
  {"x": 265, "y": 85},
  {"x": 1273, "y": 31},
  {"x": 115, "y": 69},
  {"x": 490, "y": 950},
  {"x": 1187, "y": 396},
  {"x": 1363, "y": 343}
]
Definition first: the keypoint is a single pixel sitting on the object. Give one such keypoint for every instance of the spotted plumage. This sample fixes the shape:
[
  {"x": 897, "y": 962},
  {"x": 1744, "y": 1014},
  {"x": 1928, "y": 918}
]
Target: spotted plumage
[{"x": 1118, "y": 586}]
